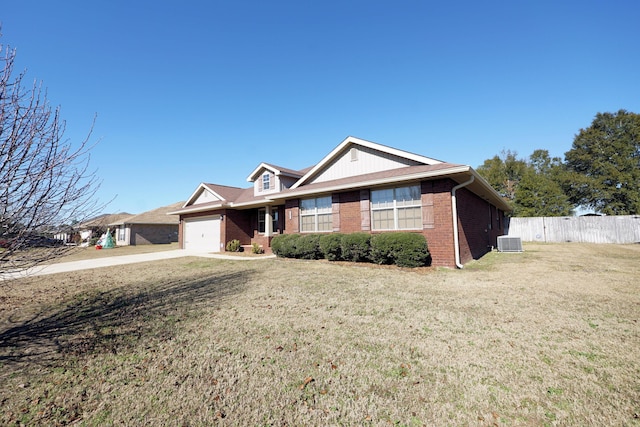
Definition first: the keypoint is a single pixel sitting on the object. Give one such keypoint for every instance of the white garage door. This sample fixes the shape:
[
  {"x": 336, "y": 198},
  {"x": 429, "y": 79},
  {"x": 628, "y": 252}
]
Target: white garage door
[{"x": 202, "y": 234}]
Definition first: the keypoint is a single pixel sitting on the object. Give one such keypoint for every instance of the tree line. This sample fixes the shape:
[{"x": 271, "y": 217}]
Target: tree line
[{"x": 600, "y": 172}]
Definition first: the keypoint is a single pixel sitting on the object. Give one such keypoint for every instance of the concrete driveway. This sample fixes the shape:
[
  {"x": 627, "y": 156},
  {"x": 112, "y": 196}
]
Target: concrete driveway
[{"x": 64, "y": 267}]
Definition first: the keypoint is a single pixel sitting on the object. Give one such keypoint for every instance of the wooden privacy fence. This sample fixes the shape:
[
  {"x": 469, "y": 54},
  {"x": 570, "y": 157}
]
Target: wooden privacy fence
[{"x": 587, "y": 229}]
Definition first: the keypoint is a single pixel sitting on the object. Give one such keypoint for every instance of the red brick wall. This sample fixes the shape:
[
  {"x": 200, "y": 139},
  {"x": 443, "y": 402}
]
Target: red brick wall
[
  {"x": 237, "y": 225},
  {"x": 350, "y": 212},
  {"x": 474, "y": 219},
  {"x": 291, "y": 221},
  {"x": 440, "y": 236}
]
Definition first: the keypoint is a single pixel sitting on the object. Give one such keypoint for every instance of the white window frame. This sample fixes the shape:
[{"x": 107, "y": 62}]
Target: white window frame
[
  {"x": 266, "y": 181},
  {"x": 262, "y": 214},
  {"x": 396, "y": 206},
  {"x": 316, "y": 213}
]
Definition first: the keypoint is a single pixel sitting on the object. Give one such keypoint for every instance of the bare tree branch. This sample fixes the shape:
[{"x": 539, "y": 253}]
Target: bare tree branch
[{"x": 45, "y": 182}]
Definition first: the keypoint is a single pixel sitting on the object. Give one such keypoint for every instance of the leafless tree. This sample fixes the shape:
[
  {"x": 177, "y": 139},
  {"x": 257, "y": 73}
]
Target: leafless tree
[{"x": 45, "y": 181}]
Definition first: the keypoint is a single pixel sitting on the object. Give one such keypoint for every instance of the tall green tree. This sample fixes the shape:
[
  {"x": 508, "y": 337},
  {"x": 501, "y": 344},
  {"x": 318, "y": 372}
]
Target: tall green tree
[
  {"x": 539, "y": 194},
  {"x": 504, "y": 172},
  {"x": 533, "y": 186},
  {"x": 604, "y": 164}
]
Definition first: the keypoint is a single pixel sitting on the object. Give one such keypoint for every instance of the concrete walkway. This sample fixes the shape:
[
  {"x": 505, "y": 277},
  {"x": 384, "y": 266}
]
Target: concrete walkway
[{"x": 64, "y": 267}]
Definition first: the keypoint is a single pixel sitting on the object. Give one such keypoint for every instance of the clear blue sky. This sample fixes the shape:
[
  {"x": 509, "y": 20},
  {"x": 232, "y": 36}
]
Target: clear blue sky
[{"x": 203, "y": 91}]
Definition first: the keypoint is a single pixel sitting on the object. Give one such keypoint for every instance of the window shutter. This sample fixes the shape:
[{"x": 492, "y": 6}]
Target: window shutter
[
  {"x": 272, "y": 181},
  {"x": 365, "y": 213}
]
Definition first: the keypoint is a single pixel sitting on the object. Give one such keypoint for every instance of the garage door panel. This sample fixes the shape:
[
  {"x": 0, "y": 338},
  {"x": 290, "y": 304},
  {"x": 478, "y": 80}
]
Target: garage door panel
[{"x": 202, "y": 234}]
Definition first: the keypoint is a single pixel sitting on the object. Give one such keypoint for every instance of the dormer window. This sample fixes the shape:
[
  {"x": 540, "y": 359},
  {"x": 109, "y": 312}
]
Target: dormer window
[{"x": 266, "y": 181}]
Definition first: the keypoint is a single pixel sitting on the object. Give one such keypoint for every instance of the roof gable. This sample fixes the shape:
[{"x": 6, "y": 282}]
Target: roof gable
[
  {"x": 355, "y": 156},
  {"x": 210, "y": 193},
  {"x": 277, "y": 170}
]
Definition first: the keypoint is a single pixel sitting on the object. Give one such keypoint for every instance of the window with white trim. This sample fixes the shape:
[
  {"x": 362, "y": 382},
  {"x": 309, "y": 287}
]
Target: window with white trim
[
  {"x": 262, "y": 214},
  {"x": 396, "y": 208},
  {"x": 315, "y": 214},
  {"x": 266, "y": 181}
]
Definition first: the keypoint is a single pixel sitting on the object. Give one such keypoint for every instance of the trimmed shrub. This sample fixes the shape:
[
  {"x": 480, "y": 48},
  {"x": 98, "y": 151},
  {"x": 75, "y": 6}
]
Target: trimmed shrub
[
  {"x": 256, "y": 249},
  {"x": 233, "y": 246},
  {"x": 402, "y": 249},
  {"x": 276, "y": 244},
  {"x": 356, "y": 247},
  {"x": 308, "y": 247},
  {"x": 384, "y": 248},
  {"x": 285, "y": 245},
  {"x": 331, "y": 246}
]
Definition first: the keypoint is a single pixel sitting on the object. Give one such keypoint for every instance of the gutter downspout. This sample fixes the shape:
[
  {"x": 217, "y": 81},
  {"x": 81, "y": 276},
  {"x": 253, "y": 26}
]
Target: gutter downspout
[{"x": 454, "y": 214}]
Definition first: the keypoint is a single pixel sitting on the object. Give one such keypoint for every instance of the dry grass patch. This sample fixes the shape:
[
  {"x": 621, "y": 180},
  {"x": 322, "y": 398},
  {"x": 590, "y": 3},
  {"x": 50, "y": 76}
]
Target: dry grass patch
[{"x": 547, "y": 337}]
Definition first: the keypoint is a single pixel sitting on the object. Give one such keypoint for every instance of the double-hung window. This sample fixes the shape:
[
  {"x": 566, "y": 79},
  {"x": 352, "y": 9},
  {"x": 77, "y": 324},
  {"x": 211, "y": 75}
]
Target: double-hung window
[
  {"x": 266, "y": 181},
  {"x": 262, "y": 214},
  {"x": 396, "y": 208},
  {"x": 315, "y": 214}
]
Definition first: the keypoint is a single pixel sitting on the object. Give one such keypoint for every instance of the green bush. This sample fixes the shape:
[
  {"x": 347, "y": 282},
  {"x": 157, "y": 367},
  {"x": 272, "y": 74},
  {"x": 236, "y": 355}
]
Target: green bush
[
  {"x": 384, "y": 248},
  {"x": 331, "y": 246},
  {"x": 276, "y": 244},
  {"x": 308, "y": 247},
  {"x": 402, "y": 249},
  {"x": 356, "y": 247},
  {"x": 233, "y": 246},
  {"x": 285, "y": 245},
  {"x": 256, "y": 249}
]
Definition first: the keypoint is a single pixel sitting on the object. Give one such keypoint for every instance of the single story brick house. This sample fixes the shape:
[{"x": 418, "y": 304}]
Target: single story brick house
[
  {"x": 360, "y": 186},
  {"x": 148, "y": 228}
]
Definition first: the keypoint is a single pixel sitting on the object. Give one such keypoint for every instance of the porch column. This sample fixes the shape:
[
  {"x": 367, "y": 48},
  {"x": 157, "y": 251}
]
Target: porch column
[{"x": 268, "y": 222}]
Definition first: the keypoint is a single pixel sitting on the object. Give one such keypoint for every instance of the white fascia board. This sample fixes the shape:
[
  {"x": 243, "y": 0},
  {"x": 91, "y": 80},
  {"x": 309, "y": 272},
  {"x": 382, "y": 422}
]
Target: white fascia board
[
  {"x": 374, "y": 182},
  {"x": 252, "y": 204},
  {"x": 198, "y": 208},
  {"x": 252, "y": 177},
  {"x": 480, "y": 180},
  {"x": 373, "y": 145},
  {"x": 203, "y": 187}
]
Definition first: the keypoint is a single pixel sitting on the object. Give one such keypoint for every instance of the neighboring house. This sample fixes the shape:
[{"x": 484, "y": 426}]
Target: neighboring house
[
  {"x": 152, "y": 227},
  {"x": 97, "y": 226},
  {"x": 360, "y": 186}
]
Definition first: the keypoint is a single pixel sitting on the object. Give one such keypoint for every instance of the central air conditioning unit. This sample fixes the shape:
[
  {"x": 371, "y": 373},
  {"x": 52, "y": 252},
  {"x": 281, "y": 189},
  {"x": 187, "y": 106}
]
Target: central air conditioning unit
[{"x": 509, "y": 244}]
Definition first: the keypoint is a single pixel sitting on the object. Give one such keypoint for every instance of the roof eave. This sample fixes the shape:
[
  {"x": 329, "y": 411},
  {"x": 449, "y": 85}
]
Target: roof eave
[
  {"x": 373, "y": 182},
  {"x": 196, "y": 208}
]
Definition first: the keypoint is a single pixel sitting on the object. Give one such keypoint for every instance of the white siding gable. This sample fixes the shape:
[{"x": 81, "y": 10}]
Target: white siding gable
[
  {"x": 271, "y": 186},
  {"x": 205, "y": 197},
  {"x": 359, "y": 160}
]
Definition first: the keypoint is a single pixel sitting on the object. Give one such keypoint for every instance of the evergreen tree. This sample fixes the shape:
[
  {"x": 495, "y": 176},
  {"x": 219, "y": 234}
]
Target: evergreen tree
[
  {"x": 532, "y": 187},
  {"x": 504, "y": 173},
  {"x": 538, "y": 194},
  {"x": 604, "y": 164}
]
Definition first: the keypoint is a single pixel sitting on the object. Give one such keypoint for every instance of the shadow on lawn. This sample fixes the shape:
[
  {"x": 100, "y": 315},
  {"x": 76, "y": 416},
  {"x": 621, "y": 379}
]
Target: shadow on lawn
[{"x": 115, "y": 320}]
